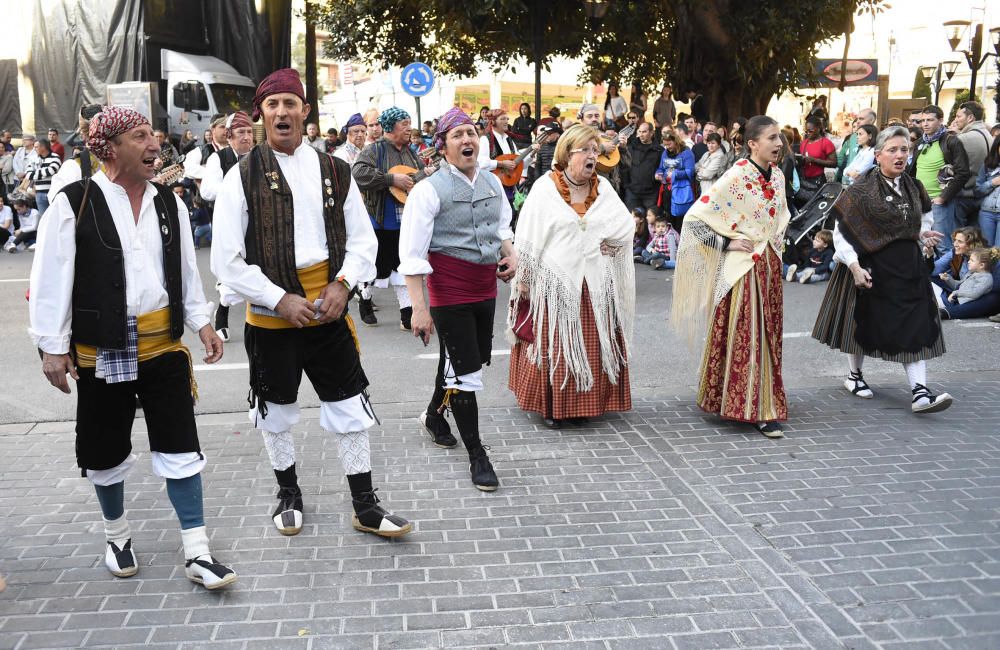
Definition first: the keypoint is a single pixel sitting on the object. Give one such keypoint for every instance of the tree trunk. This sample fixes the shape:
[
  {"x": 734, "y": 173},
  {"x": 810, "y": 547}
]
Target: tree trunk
[{"x": 312, "y": 90}]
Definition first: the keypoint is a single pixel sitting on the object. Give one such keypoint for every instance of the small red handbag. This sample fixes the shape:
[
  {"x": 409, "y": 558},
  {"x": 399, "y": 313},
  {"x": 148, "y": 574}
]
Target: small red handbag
[{"x": 524, "y": 325}]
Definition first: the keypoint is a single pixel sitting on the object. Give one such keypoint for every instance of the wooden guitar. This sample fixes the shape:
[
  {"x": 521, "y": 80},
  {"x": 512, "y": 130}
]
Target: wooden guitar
[
  {"x": 511, "y": 177},
  {"x": 415, "y": 175},
  {"x": 607, "y": 162}
]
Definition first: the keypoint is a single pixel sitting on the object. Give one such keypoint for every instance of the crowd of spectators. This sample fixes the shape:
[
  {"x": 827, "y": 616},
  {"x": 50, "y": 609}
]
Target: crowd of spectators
[{"x": 667, "y": 160}]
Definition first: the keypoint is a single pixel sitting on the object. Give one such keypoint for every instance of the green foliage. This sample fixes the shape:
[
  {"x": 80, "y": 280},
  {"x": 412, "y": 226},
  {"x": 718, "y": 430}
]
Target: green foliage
[
  {"x": 961, "y": 97},
  {"x": 721, "y": 47},
  {"x": 922, "y": 87}
]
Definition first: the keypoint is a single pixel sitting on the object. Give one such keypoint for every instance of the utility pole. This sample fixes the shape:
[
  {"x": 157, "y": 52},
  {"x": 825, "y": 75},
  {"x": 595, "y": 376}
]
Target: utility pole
[{"x": 311, "y": 86}]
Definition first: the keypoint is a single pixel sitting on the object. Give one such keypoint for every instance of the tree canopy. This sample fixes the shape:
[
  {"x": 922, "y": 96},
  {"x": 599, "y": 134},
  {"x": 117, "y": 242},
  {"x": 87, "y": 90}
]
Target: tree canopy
[{"x": 737, "y": 54}]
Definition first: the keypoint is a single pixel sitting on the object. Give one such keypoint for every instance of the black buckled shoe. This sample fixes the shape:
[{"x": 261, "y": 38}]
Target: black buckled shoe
[
  {"x": 366, "y": 310},
  {"x": 288, "y": 515},
  {"x": 483, "y": 475},
  {"x": 370, "y": 517},
  {"x": 437, "y": 427}
]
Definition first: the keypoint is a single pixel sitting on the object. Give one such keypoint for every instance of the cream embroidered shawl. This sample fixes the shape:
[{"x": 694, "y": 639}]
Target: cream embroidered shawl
[
  {"x": 558, "y": 250},
  {"x": 740, "y": 205}
]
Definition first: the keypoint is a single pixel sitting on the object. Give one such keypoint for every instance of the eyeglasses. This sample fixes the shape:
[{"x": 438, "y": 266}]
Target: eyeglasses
[{"x": 589, "y": 151}]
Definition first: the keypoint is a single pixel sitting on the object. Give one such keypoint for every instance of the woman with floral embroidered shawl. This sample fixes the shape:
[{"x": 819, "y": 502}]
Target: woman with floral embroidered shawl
[
  {"x": 728, "y": 280},
  {"x": 573, "y": 297}
]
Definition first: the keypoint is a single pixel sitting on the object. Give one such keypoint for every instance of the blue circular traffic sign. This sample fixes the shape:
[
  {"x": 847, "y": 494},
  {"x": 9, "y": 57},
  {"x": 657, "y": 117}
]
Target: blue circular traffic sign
[{"x": 417, "y": 79}]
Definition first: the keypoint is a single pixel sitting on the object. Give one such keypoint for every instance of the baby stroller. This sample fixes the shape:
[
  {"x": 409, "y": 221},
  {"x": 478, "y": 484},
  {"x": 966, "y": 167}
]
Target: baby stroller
[{"x": 815, "y": 215}]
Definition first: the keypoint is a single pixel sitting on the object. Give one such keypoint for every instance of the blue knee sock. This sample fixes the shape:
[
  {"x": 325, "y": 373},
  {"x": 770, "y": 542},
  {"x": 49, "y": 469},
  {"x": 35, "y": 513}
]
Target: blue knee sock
[
  {"x": 185, "y": 494},
  {"x": 112, "y": 500}
]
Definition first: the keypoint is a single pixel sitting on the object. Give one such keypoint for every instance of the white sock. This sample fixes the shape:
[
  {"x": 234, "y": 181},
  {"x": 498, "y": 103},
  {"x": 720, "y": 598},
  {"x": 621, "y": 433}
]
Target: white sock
[
  {"x": 195, "y": 542},
  {"x": 916, "y": 372},
  {"x": 117, "y": 530},
  {"x": 366, "y": 291},
  {"x": 355, "y": 452},
  {"x": 280, "y": 449},
  {"x": 855, "y": 361},
  {"x": 403, "y": 296}
]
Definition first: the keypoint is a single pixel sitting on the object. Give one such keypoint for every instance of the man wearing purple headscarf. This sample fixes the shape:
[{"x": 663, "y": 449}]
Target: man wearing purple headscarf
[{"x": 456, "y": 232}]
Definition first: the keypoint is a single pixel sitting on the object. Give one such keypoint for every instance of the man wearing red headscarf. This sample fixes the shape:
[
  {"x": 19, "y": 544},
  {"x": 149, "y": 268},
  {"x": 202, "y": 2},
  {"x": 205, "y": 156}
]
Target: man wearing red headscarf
[
  {"x": 114, "y": 277},
  {"x": 293, "y": 238}
]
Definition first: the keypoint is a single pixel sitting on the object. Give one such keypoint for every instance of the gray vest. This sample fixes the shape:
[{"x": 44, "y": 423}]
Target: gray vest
[{"x": 467, "y": 225}]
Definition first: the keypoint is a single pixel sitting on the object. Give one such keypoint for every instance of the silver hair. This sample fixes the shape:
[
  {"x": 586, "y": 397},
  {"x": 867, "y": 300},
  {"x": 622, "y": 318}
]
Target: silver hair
[{"x": 888, "y": 133}]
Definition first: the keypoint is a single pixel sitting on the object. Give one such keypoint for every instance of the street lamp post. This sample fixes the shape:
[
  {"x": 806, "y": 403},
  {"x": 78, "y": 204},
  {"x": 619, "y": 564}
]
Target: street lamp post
[
  {"x": 956, "y": 30},
  {"x": 930, "y": 71}
]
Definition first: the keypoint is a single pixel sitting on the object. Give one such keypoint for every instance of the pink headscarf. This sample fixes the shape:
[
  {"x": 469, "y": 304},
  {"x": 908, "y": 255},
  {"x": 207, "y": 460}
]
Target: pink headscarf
[
  {"x": 111, "y": 121},
  {"x": 454, "y": 117}
]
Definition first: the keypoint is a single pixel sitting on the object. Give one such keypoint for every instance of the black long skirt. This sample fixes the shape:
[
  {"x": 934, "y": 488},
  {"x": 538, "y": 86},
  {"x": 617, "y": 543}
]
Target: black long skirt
[{"x": 896, "y": 320}]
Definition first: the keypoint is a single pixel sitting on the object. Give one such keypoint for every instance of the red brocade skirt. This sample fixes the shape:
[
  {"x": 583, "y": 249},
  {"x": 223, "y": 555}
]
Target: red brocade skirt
[
  {"x": 741, "y": 367},
  {"x": 530, "y": 383}
]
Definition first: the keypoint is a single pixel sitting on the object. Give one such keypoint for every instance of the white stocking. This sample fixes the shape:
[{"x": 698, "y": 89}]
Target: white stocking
[
  {"x": 916, "y": 372},
  {"x": 403, "y": 296},
  {"x": 280, "y": 449},
  {"x": 355, "y": 452},
  {"x": 855, "y": 361},
  {"x": 366, "y": 291}
]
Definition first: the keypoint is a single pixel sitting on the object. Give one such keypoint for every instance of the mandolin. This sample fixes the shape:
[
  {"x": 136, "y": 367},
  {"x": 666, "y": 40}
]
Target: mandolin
[
  {"x": 607, "y": 162},
  {"x": 415, "y": 175},
  {"x": 168, "y": 175}
]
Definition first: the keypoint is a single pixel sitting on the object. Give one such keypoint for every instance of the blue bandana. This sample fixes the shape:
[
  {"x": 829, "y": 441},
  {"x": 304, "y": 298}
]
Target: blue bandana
[
  {"x": 392, "y": 116},
  {"x": 355, "y": 120}
]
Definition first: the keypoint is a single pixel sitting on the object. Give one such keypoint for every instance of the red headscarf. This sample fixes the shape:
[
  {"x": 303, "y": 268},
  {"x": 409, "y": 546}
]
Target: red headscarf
[
  {"x": 491, "y": 118},
  {"x": 285, "y": 80},
  {"x": 237, "y": 120},
  {"x": 111, "y": 121}
]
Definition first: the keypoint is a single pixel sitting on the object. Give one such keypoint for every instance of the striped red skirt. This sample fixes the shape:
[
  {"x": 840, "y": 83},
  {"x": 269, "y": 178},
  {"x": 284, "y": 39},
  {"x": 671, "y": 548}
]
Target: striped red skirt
[
  {"x": 741, "y": 368},
  {"x": 530, "y": 383}
]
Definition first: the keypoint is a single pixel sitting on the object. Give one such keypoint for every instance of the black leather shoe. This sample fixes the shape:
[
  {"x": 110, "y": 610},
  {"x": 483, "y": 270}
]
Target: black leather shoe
[
  {"x": 366, "y": 310},
  {"x": 483, "y": 476},
  {"x": 437, "y": 428}
]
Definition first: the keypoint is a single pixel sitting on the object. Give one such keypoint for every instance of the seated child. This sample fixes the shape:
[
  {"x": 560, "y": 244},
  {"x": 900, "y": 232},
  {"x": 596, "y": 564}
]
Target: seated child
[
  {"x": 25, "y": 236},
  {"x": 817, "y": 266},
  {"x": 979, "y": 280},
  {"x": 662, "y": 249}
]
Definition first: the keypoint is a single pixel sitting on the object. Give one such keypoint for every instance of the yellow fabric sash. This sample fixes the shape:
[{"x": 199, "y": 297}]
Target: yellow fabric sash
[
  {"x": 313, "y": 279},
  {"x": 154, "y": 340}
]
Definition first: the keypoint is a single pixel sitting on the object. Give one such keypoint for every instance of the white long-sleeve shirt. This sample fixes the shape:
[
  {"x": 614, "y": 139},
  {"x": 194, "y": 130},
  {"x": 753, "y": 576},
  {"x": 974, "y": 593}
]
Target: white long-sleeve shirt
[
  {"x": 22, "y": 158},
  {"x": 53, "y": 269},
  {"x": 211, "y": 179},
  {"x": 844, "y": 253},
  {"x": 421, "y": 208},
  {"x": 302, "y": 173}
]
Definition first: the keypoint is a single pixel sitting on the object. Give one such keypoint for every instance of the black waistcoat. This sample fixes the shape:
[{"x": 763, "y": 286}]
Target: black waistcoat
[
  {"x": 99, "y": 311},
  {"x": 227, "y": 158},
  {"x": 270, "y": 234}
]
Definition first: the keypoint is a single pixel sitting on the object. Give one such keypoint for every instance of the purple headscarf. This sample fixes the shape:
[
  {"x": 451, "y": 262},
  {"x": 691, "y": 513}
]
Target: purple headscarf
[{"x": 454, "y": 117}]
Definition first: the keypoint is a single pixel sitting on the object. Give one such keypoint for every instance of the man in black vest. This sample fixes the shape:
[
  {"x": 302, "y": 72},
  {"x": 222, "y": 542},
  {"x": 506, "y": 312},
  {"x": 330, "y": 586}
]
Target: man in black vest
[
  {"x": 292, "y": 237},
  {"x": 239, "y": 132},
  {"x": 113, "y": 283}
]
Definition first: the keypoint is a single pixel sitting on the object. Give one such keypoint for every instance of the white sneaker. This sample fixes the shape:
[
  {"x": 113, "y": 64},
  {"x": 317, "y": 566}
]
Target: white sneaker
[
  {"x": 205, "y": 570},
  {"x": 926, "y": 402},
  {"x": 805, "y": 275},
  {"x": 790, "y": 276},
  {"x": 32, "y": 247},
  {"x": 121, "y": 560}
]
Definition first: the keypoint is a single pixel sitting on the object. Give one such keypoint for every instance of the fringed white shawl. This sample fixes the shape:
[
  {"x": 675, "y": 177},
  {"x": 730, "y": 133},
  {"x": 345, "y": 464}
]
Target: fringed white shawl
[{"x": 558, "y": 250}]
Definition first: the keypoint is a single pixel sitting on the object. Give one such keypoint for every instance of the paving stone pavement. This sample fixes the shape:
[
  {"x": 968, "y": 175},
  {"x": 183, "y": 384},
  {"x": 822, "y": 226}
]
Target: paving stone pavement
[{"x": 866, "y": 527}]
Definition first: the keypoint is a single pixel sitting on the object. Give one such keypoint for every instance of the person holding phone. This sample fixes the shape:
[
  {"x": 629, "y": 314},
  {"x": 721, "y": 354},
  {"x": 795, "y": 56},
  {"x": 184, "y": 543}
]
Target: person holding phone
[{"x": 456, "y": 233}]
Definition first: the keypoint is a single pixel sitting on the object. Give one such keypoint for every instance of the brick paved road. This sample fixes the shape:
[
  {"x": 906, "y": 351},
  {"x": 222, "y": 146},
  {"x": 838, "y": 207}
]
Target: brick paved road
[{"x": 866, "y": 527}]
